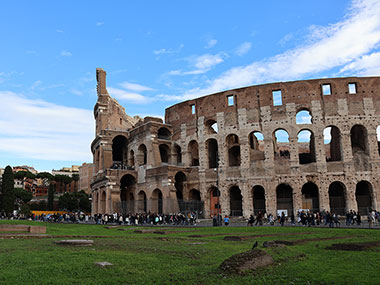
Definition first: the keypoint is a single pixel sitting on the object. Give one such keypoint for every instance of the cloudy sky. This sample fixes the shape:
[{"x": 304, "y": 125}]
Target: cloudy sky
[{"x": 158, "y": 53}]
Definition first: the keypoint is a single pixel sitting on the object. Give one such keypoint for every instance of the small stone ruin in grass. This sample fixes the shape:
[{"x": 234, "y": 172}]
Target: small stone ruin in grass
[
  {"x": 249, "y": 260},
  {"x": 103, "y": 264},
  {"x": 75, "y": 242}
]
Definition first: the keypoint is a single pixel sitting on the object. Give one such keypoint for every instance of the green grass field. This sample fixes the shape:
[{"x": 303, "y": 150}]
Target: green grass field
[{"x": 178, "y": 258}]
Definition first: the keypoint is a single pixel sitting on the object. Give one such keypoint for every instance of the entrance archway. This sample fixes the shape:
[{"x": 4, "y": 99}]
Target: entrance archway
[
  {"x": 258, "y": 199},
  {"x": 127, "y": 189},
  {"x": 141, "y": 199},
  {"x": 157, "y": 201},
  {"x": 284, "y": 195},
  {"x": 337, "y": 198},
  {"x": 236, "y": 199},
  {"x": 363, "y": 196},
  {"x": 310, "y": 197}
]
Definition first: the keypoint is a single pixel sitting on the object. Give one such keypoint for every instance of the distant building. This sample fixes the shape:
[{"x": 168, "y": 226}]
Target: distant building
[
  {"x": 86, "y": 172},
  {"x": 68, "y": 171},
  {"x": 25, "y": 168}
]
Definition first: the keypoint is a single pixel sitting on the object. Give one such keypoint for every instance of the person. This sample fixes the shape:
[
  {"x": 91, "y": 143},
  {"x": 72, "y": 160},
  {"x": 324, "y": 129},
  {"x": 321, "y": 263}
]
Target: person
[
  {"x": 226, "y": 220},
  {"x": 259, "y": 218},
  {"x": 358, "y": 219},
  {"x": 282, "y": 219},
  {"x": 251, "y": 220}
]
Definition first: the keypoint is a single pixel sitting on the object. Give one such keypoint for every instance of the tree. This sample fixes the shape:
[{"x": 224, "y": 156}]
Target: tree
[
  {"x": 22, "y": 195},
  {"x": 51, "y": 197},
  {"x": 46, "y": 175},
  {"x": 8, "y": 196}
]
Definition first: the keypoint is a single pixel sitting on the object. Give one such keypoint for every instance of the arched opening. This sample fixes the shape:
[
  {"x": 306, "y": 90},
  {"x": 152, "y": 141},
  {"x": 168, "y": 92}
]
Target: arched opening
[
  {"x": 164, "y": 134},
  {"x": 284, "y": 195},
  {"x": 178, "y": 154},
  {"x": 233, "y": 147},
  {"x": 127, "y": 190},
  {"x": 164, "y": 153},
  {"x": 306, "y": 147},
  {"x": 332, "y": 141},
  {"x": 142, "y": 155},
  {"x": 236, "y": 202},
  {"x": 310, "y": 197},
  {"x": 256, "y": 143},
  {"x": 194, "y": 195},
  {"x": 156, "y": 199},
  {"x": 359, "y": 144},
  {"x": 119, "y": 151},
  {"x": 363, "y": 196},
  {"x": 337, "y": 198},
  {"x": 131, "y": 160},
  {"x": 180, "y": 184},
  {"x": 211, "y": 127},
  {"x": 214, "y": 201},
  {"x": 303, "y": 117},
  {"x": 212, "y": 150},
  {"x": 194, "y": 153},
  {"x": 103, "y": 200},
  {"x": 281, "y": 144},
  {"x": 258, "y": 194},
  {"x": 141, "y": 199}
]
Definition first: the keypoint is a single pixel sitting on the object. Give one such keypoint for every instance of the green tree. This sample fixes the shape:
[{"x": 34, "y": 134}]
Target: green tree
[
  {"x": 22, "y": 196},
  {"x": 8, "y": 196},
  {"x": 46, "y": 175},
  {"x": 51, "y": 197}
]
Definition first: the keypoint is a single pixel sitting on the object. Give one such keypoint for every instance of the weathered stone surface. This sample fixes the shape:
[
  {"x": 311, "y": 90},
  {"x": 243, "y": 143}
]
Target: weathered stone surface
[
  {"x": 23, "y": 228},
  {"x": 37, "y": 230},
  {"x": 140, "y": 159},
  {"x": 75, "y": 242},
  {"x": 249, "y": 260}
]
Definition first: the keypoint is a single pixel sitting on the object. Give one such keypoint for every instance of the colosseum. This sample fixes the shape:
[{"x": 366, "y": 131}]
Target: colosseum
[{"x": 285, "y": 146}]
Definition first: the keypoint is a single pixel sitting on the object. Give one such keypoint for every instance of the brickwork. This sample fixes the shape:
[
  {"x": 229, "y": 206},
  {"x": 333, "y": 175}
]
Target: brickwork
[{"x": 137, "y": 161}]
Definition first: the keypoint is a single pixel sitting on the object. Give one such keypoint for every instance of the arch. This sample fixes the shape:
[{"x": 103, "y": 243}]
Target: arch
[
  {"x": 281, "y": 144},
  {"x": 178, "y": 154},
  {"x": 119, "y": 150},
  {"x": 332, "y": 142},
  {"x": 212, "y": 152},
  {"x": 156, "y": 201},
  {"x": 359, "y": 145},
  {"x": 127, "y": 190},
  {"x": 304, "y": 117},
  {"x": 256, "y": 143},
  {"x": 180, "y": 184},
  {"x": 194, "y": 195},
  {"x": 258, "y": 195},
  {"x": 142, "y": 155},
  {"x": 337, "y": 196},
  {"x": 194, "y": 153},
  {"x": 363, "y": 195},
  {"x": 141, "y": 202},
  {"x": 236, "y": 202},
  {"x": 310, "y": 197},
  {"x": 233, "y": 147},
  {"x": 164, "y": 153},
  {"x": 211, "y": 127},
  {"x": 306, "y": 146},
  {"x": 164, "y": 134},
  {"x": 214, "y": 201},
  {"x": 131, "y": 159},
  {"x": 284, "y": 195}
]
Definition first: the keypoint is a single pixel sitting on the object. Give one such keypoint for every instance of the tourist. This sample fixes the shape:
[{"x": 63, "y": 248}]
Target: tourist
[
  {"x": 282, "y": 219},
  {"x": 251, "y": 220},
  {"x": 226, "y": 220}
]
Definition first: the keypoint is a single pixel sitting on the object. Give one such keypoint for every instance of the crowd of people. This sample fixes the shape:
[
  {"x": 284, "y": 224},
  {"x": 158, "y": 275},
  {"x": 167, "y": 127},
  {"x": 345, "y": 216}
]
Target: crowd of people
[{"x": 302, "y": 218}]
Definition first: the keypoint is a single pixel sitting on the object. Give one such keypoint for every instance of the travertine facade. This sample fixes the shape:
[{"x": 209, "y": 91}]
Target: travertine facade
[{"x": 221, "y": 152}]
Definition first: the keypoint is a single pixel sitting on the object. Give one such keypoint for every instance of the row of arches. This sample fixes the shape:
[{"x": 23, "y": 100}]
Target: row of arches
[{"x": 284, "y": 198}]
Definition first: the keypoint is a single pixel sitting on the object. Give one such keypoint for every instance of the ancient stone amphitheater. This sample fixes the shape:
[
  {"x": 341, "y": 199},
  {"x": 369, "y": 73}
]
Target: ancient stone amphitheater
[{"x": 283, "y": 146}]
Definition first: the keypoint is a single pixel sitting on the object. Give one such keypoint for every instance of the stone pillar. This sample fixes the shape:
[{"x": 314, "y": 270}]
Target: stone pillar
[
  {"x": 246, "y": 200},
  {"x": 297, "y": 198}
]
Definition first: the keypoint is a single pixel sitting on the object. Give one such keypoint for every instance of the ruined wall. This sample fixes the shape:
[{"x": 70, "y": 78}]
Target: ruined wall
[{"x": 209, "y": 149}]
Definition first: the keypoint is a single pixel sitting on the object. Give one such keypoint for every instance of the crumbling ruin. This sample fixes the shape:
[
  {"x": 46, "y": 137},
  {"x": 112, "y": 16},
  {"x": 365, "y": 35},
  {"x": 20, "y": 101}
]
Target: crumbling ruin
[{"x": 242, "y": 151}]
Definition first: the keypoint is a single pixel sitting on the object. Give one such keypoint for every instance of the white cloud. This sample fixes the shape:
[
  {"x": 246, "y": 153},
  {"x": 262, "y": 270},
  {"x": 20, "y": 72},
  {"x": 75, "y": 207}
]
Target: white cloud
[
  {"x": 98, "y": 24},
  {"x": 243, "y": 48},
  {"x": 66, "y": 53},
  {"x": 168, "y": 51},
  {"x": 126, "y": 95},
  {"x": 329, "y": 47},
  {"x": 134, "y": 87},
  {"x": 76, "y": 92},
  {"x": 366, "y": 65},
  {"x": 41, "y": 130},
  {"x": 59, "y": 31},
  {"x": 211, "y": 43}
]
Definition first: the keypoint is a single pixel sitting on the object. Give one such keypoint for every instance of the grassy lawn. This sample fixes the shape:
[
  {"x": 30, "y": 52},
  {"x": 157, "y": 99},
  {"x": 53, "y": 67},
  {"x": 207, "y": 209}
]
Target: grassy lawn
[{"x": 178, "y": 258}]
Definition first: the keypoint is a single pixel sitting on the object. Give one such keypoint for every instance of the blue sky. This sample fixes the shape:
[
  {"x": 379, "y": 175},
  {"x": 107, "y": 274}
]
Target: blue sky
[{"x": 158, "y": 53}]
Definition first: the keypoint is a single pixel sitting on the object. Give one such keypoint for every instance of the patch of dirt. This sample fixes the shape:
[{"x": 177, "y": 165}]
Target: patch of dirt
[
  {"x": 360, "y": 246},
  {"x": 242, "y": 238},
  {"x": 249, "y": 260}
]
